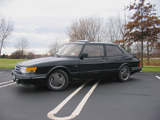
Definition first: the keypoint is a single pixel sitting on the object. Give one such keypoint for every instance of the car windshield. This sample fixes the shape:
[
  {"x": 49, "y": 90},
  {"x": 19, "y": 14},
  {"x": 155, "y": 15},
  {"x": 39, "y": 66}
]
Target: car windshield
[{"x": 70, "y": 50}]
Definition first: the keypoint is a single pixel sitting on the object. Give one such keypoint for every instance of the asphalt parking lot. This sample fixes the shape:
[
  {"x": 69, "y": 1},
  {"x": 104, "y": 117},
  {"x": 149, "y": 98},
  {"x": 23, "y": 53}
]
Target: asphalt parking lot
[{"x": 137, "y": 99}]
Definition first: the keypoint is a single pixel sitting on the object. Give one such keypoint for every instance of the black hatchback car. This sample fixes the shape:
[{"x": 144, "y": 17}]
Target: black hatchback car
[{"x": 79, "y": 60}]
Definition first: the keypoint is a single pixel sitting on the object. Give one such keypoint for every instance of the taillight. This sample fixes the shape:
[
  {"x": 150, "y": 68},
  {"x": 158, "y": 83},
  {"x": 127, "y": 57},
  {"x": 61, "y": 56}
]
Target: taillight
[{"x": 139, "y": 64}]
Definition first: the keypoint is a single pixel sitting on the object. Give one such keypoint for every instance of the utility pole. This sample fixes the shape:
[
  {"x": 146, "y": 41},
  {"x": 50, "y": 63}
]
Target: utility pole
[{"x": 142, "y": 37}]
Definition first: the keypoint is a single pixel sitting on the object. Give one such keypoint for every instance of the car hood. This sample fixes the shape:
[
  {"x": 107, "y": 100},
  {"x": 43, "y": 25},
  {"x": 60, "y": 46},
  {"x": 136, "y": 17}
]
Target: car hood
[{"x": 46, "y": 61}]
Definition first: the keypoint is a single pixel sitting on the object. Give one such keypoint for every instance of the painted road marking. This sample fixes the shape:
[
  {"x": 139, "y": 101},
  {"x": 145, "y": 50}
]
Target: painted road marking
[
  {"x": 158, "y": 77},
  {"x": 54, "y": 111},
  {"x": 8, "y": 83},
  {"x": 77, "y": 111}
]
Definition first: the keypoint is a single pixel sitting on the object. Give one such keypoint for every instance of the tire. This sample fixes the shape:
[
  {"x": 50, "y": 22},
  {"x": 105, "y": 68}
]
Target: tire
[
  {"x": 124, "y": 73},
  {"x": 57, "y": 80}
]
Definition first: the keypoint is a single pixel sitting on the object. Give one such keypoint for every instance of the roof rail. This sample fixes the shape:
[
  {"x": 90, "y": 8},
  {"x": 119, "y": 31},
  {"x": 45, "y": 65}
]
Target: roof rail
[{"x": 82, "y": 41}]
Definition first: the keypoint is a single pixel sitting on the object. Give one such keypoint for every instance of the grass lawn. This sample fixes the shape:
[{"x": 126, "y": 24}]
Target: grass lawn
[
  {"x": 147, "y": 68},
  {"x": 10, "y": 64}
]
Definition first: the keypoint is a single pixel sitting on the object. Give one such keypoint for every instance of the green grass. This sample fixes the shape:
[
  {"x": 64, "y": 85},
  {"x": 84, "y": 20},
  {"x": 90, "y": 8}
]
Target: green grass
[
  {"x": 9, "y": 63},
  {"x": 147, "y": 68}
]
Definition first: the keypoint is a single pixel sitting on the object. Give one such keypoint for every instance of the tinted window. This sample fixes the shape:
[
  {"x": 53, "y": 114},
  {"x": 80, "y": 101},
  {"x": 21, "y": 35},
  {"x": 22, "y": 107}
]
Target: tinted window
[
  {"x": 94, "y": 50},
  {"x": 113, "y": 51}
]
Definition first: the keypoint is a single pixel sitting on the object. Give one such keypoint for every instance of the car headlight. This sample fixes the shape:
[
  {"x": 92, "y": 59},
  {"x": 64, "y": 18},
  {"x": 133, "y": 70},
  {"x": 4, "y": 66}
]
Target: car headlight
[{"x": 28, "y": 69}]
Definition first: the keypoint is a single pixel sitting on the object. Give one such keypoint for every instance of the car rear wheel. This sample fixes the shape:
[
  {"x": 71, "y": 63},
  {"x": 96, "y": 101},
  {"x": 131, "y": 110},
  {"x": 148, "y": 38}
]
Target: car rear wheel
[
  {"x": 124, "y": 73},
  {"x": 57, "y": 80}
]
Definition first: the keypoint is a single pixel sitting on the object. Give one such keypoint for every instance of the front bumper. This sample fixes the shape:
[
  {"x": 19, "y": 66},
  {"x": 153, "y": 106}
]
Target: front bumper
[{"x": 28, "y": 78}]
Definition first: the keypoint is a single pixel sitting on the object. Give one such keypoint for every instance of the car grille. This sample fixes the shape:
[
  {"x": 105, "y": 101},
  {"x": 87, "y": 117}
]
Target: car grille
[{"x": 17, "y": 68}]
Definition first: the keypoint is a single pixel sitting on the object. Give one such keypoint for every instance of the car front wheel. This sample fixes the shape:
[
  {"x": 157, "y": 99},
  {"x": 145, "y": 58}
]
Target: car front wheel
[
  {"x": 124, "y": 73},
  {"x": 57, "y": 80}
]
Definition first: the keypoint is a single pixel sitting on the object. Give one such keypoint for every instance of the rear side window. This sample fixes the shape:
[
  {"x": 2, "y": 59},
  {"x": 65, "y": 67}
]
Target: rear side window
[
  {"x": 113, "y": 51},
  {"x": 94, "y": 50}
]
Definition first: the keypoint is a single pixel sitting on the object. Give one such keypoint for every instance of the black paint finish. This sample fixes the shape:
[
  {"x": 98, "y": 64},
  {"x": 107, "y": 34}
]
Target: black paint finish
[{"x": 79, "y": 67}]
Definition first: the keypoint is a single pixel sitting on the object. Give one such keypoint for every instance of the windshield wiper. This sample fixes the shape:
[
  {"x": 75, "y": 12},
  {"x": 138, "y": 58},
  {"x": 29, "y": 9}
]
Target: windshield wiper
[{"x": 56, "y": 55}]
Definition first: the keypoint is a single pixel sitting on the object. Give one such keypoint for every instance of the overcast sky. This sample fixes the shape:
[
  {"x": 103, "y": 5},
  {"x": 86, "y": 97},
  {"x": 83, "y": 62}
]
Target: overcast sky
[{"x": 42, "y": 21}]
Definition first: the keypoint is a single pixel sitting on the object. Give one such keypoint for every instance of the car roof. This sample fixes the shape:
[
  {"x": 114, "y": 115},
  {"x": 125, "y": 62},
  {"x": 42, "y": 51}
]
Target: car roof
[{"x": 87, "y": 42}]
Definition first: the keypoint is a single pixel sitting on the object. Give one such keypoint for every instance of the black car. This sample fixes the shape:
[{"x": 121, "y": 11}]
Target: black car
[{"x": 78, "y": 60}]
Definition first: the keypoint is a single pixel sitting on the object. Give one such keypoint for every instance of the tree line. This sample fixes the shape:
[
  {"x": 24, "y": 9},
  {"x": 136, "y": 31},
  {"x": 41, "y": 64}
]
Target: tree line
[
  {"x": 139, "y": 32},
  {"x": 142, "y": 27}
]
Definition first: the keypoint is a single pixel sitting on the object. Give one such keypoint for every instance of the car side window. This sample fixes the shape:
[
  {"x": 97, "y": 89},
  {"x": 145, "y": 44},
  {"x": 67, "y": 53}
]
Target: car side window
[
  {"x": 113, "y": 51},
  {"x": 94, "y": 50}
]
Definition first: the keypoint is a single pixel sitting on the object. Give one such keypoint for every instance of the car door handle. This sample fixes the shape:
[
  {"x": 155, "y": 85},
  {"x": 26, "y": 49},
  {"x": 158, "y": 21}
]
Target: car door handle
[{"x": 104, "y": 59}]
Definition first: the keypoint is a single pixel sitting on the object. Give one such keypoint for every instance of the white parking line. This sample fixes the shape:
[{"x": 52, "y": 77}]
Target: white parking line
[
  {"x": 7, "y": 85},
  {"x": 77, "y": 111},
  {"x": 158, "y": 77},
  {"x": 6, "y": 82},
  {"x": 54, "y": 111}
]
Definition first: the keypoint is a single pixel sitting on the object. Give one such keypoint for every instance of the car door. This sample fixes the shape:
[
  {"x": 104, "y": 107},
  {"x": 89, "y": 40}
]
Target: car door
[
  {"x": 93, "y": 66},
  {"x": 114, "y": 59}
]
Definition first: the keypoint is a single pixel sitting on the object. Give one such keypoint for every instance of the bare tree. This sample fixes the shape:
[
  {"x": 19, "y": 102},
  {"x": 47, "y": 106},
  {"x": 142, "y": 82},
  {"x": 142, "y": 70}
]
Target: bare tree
[
  {"x": 54, "y": 46},
  {"x": 137, "y": 49},
  {"x": 21, "y": 45},
  {"x": 116, "y": 29},
  {"x": 6, "y": 28},
  {"x": 91, "y": 29},
  {"x": 113, "y": 29}
]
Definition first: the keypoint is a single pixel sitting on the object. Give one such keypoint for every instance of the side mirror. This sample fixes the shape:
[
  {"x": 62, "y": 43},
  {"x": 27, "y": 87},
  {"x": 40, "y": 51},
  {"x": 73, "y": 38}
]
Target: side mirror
[{"x": 83, "y": 55}]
